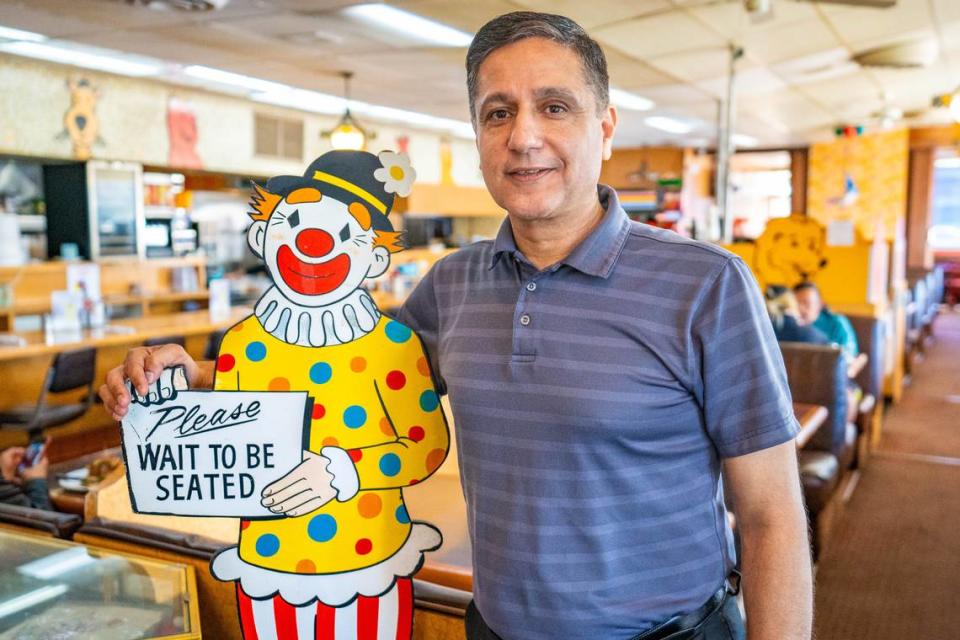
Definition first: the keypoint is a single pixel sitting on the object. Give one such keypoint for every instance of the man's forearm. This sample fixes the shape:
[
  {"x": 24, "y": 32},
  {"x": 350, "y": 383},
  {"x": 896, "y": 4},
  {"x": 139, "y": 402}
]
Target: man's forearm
[
  {"x": 777, "y": 580},
  {"x": 205, "y": 371}
]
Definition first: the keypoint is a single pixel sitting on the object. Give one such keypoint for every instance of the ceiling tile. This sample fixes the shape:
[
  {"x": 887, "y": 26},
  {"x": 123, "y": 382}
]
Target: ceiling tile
[
  {"x": 787, "y": 41},
  {"x": 693, "y": 66},
  {"x": 755, "y": 80},
  {"x": 733, "y": 21},
  {"x": 857, "y": 25},
  {"x": 597, "y": 13},
  {"x": 629, "y": 73},
  {"x": 466, "y": 15},
  {"x": 676, "y": 94},
  {"x": 660, "y": 35}
]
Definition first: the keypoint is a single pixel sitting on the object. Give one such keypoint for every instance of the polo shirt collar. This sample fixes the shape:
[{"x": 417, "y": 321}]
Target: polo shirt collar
[{"x": 597, "y": 254}]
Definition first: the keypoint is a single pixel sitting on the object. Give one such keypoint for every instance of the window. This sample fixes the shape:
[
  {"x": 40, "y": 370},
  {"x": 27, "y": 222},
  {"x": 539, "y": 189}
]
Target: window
[{"x": 944, "y": 232}]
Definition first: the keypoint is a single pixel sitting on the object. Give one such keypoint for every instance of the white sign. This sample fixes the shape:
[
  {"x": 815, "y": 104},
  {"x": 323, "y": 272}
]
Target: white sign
[
  {"x": 841, "y": 233},
  {"x": 211, "y": 453}
]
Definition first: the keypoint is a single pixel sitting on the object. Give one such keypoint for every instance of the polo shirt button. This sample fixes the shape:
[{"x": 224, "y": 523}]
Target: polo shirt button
[
  {"x": 524, "y": 319},
  {"x": 531, "y": 286}
]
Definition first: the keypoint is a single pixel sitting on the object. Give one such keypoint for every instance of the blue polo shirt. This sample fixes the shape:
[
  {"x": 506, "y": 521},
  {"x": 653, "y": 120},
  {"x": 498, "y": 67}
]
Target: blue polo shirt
[{"x": 593, "y": 403}]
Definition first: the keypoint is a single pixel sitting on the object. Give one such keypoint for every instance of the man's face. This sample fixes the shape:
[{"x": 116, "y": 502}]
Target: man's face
[
  {"x": 810, "y": 305},
  {"x": 540, "y": 139},
  {"x": 316, "y": 252}
]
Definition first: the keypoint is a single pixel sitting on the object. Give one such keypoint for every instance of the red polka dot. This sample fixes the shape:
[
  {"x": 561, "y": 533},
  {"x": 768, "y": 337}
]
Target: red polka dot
[
  {"x": 319, "y": 411},
  {"x": 244, "y": 524},
  {"x": 364, "y": 546},
  {"x": 396, "y": 380},
  {"x": 356, "y": 455},
  {"x": 225, "y": 362},
  {"x": 416, "y": 434}
]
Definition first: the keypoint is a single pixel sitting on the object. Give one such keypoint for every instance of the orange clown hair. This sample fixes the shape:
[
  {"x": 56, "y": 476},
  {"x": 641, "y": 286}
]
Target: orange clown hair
[{"x": 263, "y": 204}]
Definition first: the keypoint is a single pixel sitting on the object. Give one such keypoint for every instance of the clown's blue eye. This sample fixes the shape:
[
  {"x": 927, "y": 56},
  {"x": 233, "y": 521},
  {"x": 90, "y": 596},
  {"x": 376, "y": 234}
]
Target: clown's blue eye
[
  {"x": 294, "y": 219},
  {"x": 345, "y": 233}
]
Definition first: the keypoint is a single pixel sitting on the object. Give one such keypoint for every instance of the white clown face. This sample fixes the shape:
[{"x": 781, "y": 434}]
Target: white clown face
[{"x": 316, "y": 252}]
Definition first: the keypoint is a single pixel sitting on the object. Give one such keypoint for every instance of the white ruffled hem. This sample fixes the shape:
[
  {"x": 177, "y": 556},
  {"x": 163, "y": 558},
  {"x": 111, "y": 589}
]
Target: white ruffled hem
[{"x": 332, "y": 589}]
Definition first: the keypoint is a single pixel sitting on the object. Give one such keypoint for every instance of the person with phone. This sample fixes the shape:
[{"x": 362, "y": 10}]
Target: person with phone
[{"x": 23, "y": 476}]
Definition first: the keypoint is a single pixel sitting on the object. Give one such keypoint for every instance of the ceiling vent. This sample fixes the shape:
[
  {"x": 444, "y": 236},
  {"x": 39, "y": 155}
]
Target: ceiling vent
[
  {"x": 182, "y": 5},
  {"x": 903, "y": 55}
]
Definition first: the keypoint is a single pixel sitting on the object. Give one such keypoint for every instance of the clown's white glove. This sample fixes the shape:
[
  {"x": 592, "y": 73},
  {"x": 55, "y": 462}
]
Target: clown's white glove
[{"x": 313, "y": 483}]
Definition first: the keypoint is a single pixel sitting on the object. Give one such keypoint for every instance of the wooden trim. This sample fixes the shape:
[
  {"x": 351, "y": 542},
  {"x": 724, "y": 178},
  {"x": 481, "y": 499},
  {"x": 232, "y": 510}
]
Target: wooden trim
[
  {"x": 919, "y": 204},
  {"x": 799, "y": 171}
]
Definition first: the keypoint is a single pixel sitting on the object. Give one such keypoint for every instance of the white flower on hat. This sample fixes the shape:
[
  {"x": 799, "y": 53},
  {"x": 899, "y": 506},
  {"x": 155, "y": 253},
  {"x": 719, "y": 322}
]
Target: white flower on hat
[{"x": 396, "y": 175}]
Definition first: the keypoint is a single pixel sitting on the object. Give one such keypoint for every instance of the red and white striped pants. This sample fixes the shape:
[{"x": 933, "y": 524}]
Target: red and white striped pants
[{"x": 388, "y": 617}]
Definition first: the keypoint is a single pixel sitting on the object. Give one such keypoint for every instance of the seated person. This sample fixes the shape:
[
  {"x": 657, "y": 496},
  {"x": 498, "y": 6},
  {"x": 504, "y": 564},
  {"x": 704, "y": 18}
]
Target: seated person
[
  {"x": 26, "y": 487},
  {"x": 788, "y": 325},
  {"x": 833, "y": 325}
]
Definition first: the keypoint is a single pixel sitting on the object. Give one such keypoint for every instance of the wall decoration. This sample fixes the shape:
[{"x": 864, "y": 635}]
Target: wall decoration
[
  {"x": 326, "y": 546},
  {"x": 183, "y": 134},
  {"x": 790, "y": 251},
  {"x": 80, "y": 121}
]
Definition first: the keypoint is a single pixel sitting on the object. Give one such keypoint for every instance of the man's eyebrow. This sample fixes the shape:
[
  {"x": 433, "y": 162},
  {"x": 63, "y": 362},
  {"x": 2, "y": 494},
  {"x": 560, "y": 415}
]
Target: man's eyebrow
[
  {"x": 559, "y": 93},
  {"x": 493, "y": 98}
]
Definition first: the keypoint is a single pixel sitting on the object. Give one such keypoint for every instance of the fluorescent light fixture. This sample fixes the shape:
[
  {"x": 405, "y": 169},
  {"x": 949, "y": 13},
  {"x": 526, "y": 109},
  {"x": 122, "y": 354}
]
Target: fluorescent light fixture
[
  {"x": 83, "y": 56},
  {"x": 9, "y": 33},
  {"x": 409, "y": 24},
  {"x": 947, "y": 163},
  {"x": 670, "y": 125},
  {"x": 219, "y": 76},
  {"x": 31, "y": 599},
  {"x": 743, "y": 140},
  {"x": 631, "y": 101},
  {"x": 57, "y": 564}
]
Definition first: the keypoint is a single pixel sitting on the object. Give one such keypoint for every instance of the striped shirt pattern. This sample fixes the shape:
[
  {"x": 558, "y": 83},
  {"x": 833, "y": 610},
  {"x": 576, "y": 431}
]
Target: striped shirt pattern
[{"x": 593, "y": 402}]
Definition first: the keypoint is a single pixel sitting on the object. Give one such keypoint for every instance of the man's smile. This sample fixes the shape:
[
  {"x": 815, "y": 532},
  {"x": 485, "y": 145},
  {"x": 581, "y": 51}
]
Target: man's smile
[
  {"x": 528, "y": 174},
  {"x": 312, "y": 279}
]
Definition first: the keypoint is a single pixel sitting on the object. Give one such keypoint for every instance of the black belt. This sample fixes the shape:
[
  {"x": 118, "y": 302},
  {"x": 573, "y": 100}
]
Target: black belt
[{"x": 683, "y": 626}]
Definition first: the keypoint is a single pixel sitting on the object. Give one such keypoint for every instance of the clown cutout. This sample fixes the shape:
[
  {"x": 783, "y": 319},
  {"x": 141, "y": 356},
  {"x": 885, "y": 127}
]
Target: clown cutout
[{"x": 337, "y": 559}]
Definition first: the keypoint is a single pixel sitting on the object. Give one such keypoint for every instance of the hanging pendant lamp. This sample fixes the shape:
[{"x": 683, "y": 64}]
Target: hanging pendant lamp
[{"x": 348, "y": 134}]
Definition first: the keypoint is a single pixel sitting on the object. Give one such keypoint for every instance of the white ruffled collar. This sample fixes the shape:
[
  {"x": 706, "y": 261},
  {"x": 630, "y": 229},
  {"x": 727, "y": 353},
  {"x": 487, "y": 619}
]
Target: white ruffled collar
[{"x": 343, "y": 321}]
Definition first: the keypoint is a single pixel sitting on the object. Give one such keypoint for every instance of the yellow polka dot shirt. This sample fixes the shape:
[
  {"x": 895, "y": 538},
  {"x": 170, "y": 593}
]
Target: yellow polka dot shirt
[{"x": 373, "y": 397}]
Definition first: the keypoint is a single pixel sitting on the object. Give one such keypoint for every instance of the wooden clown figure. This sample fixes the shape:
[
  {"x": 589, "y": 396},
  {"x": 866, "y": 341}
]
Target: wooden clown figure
[{"x": 336, "y": 561}]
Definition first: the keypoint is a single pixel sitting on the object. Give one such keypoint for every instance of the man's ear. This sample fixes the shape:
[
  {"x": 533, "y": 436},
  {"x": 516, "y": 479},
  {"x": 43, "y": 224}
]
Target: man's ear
[
  {"x": 256, "y": 235},
  {"x": 608, "y": 124},
  {"x": 381, "y": 262}
]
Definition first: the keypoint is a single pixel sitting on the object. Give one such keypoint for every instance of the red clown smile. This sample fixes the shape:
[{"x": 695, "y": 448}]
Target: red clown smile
[{"x": 312, "y": 279}]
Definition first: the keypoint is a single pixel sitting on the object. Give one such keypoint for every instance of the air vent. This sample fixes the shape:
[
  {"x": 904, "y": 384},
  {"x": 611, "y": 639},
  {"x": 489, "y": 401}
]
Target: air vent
[{"x": 278, "y": 137}]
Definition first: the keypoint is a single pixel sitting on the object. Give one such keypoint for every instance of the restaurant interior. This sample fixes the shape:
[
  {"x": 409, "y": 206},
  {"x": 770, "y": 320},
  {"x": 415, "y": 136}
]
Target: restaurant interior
[{"x": 817, "y": 140}]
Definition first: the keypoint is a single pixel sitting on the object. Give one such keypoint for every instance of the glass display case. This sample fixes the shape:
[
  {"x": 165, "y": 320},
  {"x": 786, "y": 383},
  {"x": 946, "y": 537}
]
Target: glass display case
[{"x": 55, "y": 589}]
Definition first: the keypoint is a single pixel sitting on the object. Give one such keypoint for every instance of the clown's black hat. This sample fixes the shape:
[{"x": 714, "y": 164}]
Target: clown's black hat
[{"x": 346, "y": 176}]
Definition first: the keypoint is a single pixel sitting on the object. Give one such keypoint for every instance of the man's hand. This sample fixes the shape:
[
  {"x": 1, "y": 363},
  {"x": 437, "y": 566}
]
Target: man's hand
[
  {"x": 305, "y": 489},
  {"x": 10, "y": 459},
  {"x": 143, "y": 367},
  {"x": 38, "y": 470}
]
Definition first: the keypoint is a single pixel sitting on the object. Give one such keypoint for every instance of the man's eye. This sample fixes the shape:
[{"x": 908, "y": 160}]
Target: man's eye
[
  {"x": 294, "y": 219},
  {"x": 556, "y": 108},
  {"x": 498, "y": 114},
  {"x": 345, "y": 233}
]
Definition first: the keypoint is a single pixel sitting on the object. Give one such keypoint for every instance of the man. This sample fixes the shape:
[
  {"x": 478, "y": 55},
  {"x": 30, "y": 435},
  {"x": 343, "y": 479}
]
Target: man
[
  {"x": 834, "y": 326},
  {"x": 600, "y": 373}
]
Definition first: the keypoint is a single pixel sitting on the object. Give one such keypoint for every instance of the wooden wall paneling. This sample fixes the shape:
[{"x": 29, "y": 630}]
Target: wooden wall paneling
[
  {"x": 798, "y": 180},
  {"x": 919, "y": 205},
  {"x": 665, "y": 161}
]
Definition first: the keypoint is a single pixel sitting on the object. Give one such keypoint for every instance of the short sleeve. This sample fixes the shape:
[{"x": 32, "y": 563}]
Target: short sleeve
[
  {"x": 420, "y": 313},
  {"x": 741, "y": 380}
]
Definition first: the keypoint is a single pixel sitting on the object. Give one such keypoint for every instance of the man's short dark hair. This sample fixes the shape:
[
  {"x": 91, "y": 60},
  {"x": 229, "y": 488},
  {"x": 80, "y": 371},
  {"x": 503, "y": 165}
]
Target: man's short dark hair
[
  {"x": 519, "y": 25},
  {"x": 803, "y": 286}
]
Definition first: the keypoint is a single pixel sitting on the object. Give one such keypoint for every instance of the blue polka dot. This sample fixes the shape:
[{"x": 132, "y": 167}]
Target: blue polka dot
[
  {"x": 256, "y": 351},
  {"x": 397, "y": 332},
  {"x": 268, "y": 544},
  {"x": 320, "y": 373},
  {"x": 322, "y": 528},
  {"x": 402, "y": 516},
  {"x": 429, "y": 400},
  {"x": 354, "y": 416},
  {"x": 390, "y": 465}
]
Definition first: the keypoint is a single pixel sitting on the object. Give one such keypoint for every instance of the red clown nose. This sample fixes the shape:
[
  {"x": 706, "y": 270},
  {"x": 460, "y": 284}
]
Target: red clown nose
[{"x": 314, "y": 242}]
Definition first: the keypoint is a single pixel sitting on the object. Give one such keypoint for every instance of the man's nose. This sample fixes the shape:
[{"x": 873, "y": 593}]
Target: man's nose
[
  {"x": 525, "y": 134},
  {"x": 314, "y": 242}
]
